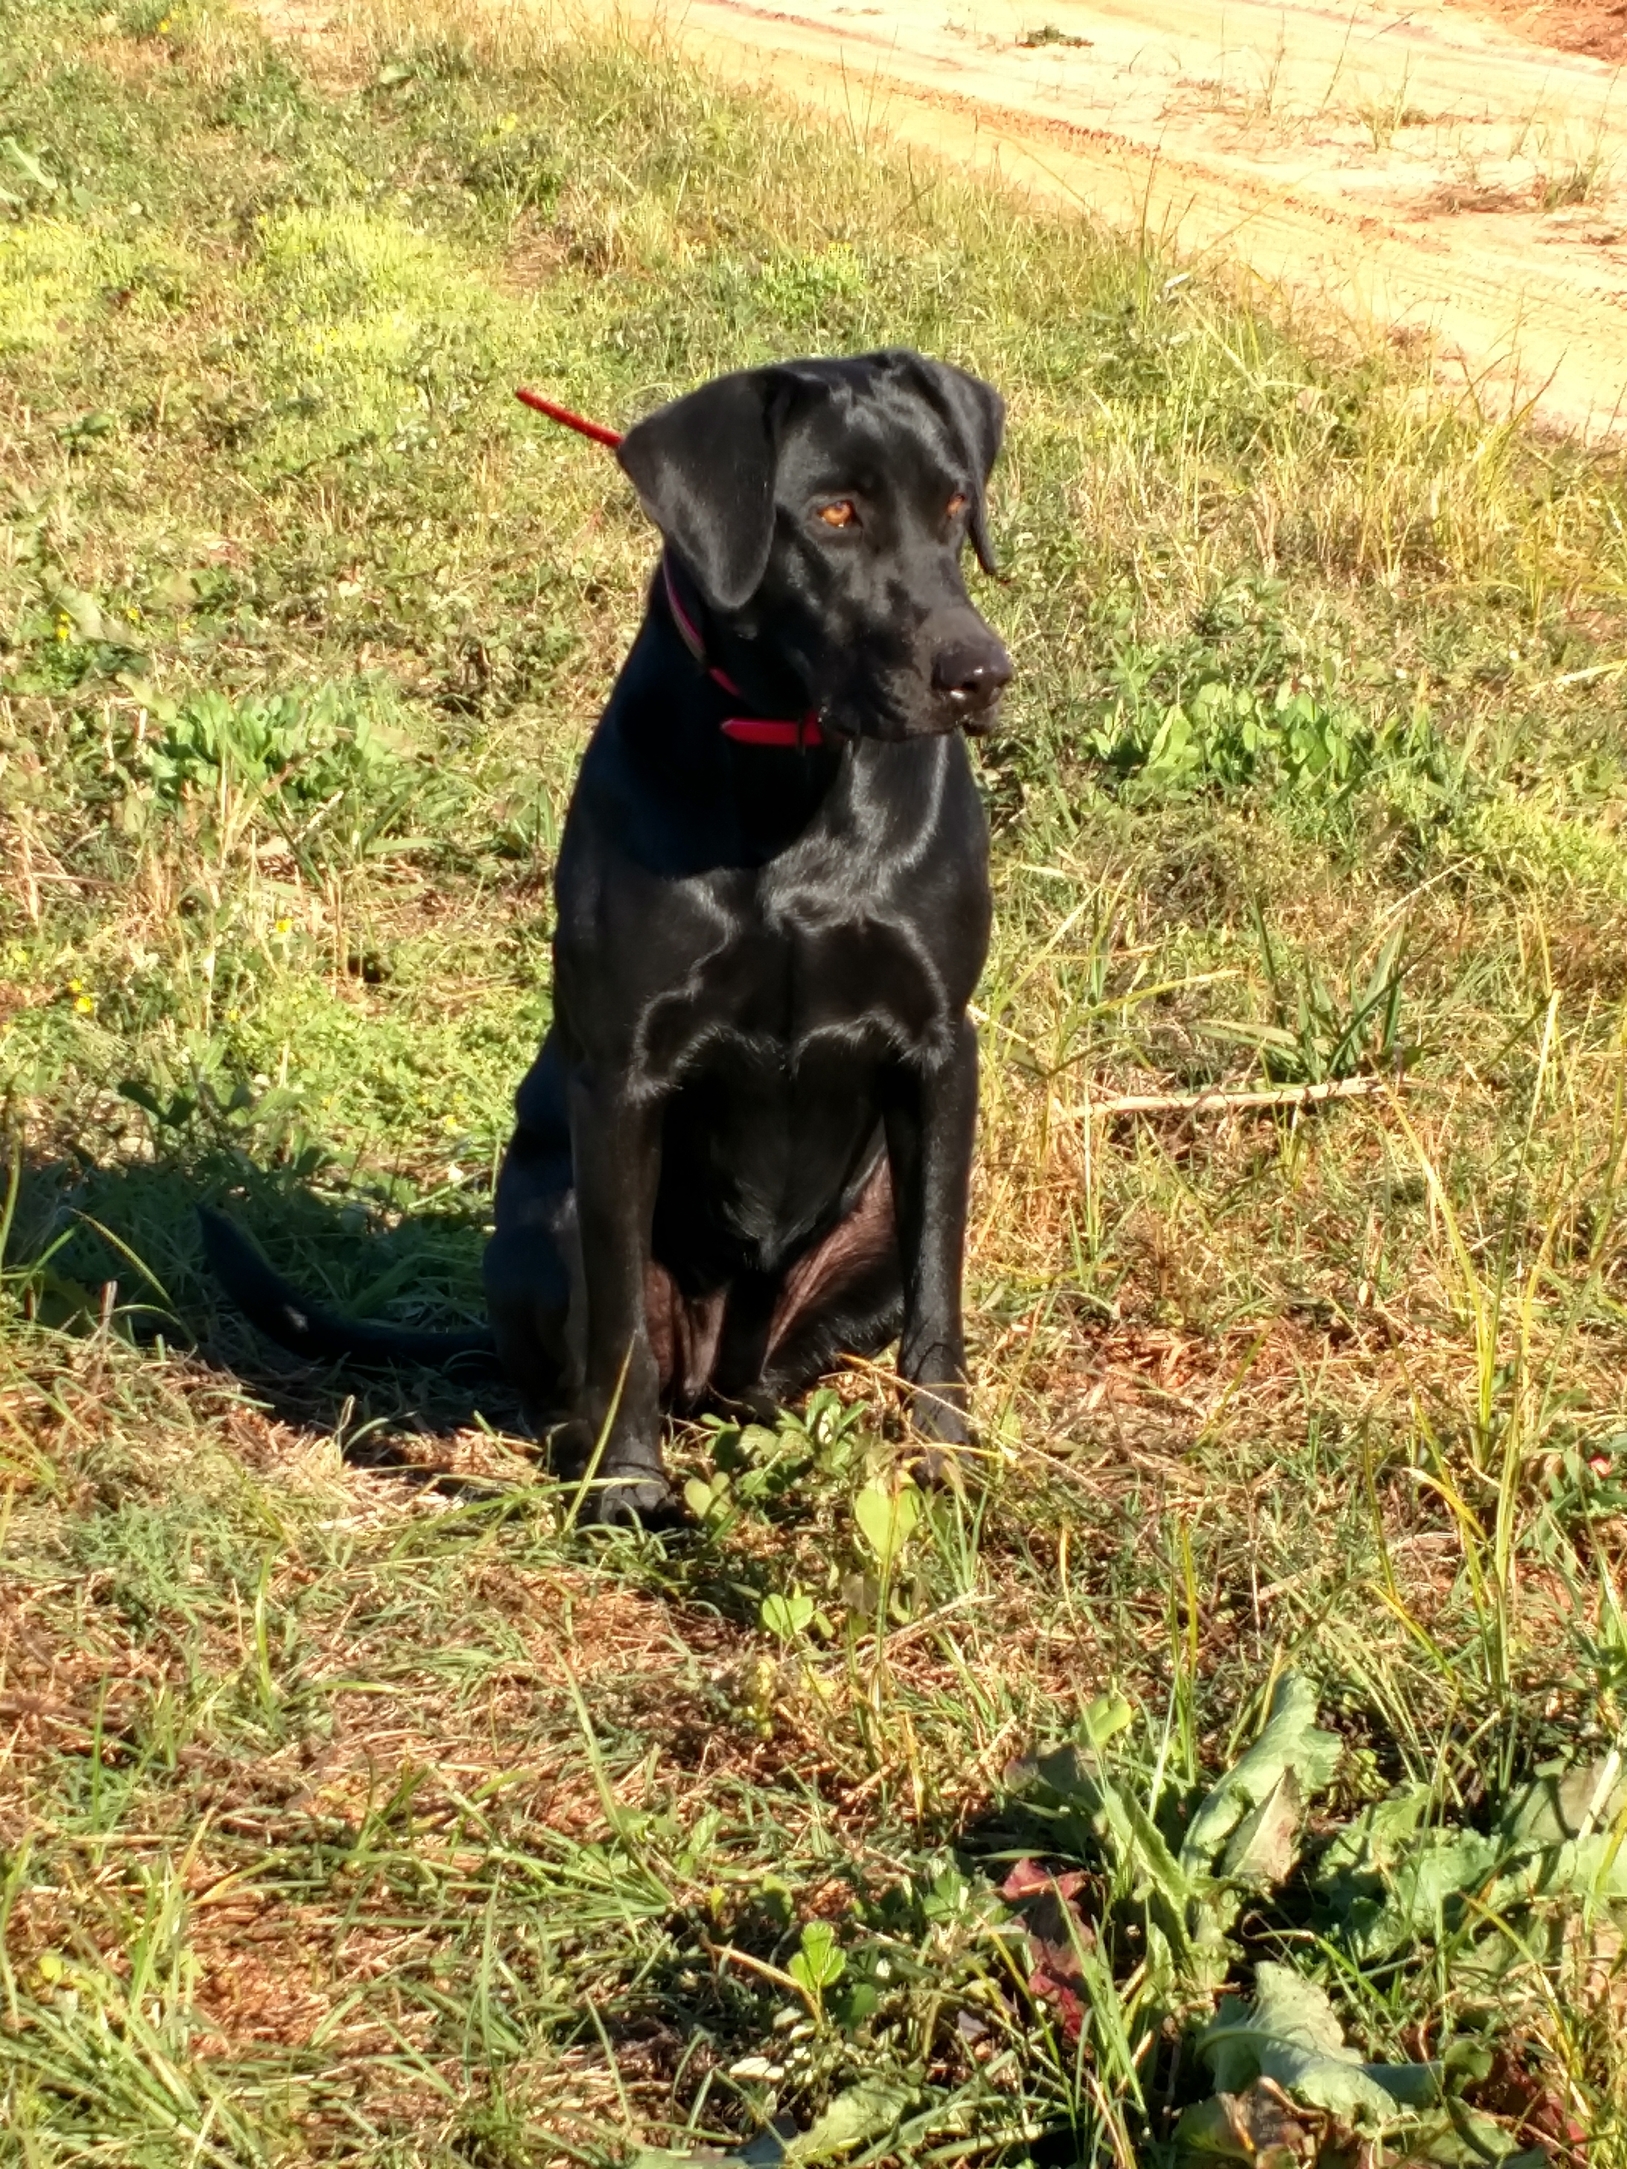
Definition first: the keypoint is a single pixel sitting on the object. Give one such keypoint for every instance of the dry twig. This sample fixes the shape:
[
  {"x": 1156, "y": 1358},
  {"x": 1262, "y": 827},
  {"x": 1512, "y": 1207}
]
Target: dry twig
[{"x": 1217, "y": 1103}]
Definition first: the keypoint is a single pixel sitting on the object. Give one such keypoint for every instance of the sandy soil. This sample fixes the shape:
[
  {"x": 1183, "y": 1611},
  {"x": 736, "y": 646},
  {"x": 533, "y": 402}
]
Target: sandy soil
[{"x": 1429, "y": 175}]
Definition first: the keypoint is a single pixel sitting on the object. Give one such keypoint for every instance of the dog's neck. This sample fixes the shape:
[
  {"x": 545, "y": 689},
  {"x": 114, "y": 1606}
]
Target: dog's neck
[
  {"x": 743, "y": 803},
  {"x": 781, "y": 719}
]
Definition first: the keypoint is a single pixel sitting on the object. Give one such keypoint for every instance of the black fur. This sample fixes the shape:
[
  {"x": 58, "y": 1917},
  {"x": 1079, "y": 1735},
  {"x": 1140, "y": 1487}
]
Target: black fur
[{"x": 745, "y": 1147}]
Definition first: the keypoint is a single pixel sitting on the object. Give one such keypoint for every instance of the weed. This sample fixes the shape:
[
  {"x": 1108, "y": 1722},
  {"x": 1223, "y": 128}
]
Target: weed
[
  {"x": 1384, "y": 118},
  {"x": 1585, "y": 180},
  {"x": 1049, "y": 34}
]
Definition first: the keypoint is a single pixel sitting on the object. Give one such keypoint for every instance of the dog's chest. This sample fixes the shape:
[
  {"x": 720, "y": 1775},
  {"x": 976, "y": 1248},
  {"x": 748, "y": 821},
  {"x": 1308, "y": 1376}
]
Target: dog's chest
[{"x": 795, "y": 976}]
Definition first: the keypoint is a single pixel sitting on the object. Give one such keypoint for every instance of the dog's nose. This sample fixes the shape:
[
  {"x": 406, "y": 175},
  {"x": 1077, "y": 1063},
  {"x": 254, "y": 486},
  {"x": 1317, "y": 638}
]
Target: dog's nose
[{"x": 971, "y": 675}]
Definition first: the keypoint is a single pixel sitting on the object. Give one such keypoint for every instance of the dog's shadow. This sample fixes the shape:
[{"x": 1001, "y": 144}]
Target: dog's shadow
[
  {"x": 81, "y": 1228},
  {"x": 119, "y": 1240}
]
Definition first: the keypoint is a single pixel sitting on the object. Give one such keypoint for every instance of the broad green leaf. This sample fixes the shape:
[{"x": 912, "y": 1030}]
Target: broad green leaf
[
  {"x": 1579, "y": 1804},
  {"x": 1592, "y": 1868},
  {"x": 1392, "y": 1882},
  {"x": 1135, "y": 1850},
  {"x": 1140, "y": 1846},
  {"x": 28, "y": 165},
  {"x": 1256, "y": 2128},
  {"x": 820, "y": 1962},
  {"x": 1251, "y": 2127},
  {"x": 1456, "y": 2137},
  {"x": 1292, "y": 1741},
  {"x": 886, "y": 1516},
  {"x": 1290, "y": 2034},
  {"x": 787, "y": 1616},
  {"x": 1265, "y": 1843},
  {"x": 1105, "y": 1716},
  {"x": 1134, "y": 1844},
  {"x": 864, "y": 2112},
  {"x": 1376, "y": 1838},
  {"x": 1207, "y": 2129}
]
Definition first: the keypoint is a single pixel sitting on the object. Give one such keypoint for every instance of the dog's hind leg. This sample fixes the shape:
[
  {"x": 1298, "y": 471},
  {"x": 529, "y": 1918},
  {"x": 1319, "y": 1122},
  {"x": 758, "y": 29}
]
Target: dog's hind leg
[{"x": 845, "y": 1297}]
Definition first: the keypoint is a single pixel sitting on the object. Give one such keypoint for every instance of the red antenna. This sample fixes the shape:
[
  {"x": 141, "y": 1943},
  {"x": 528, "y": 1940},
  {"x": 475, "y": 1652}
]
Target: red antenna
[{"x": 564, "y": 416}]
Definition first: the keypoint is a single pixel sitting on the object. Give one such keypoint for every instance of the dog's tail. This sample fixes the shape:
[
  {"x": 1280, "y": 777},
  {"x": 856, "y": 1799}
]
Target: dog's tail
[{"x": 283, "y": 1315}]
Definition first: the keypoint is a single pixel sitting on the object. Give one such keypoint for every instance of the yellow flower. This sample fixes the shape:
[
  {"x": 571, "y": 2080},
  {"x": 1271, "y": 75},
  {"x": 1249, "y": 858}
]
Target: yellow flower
[
  {"x": 283, "y": 928},
  {"x": 163, "y": 26},
  {"x": 85, "y": 1004}
]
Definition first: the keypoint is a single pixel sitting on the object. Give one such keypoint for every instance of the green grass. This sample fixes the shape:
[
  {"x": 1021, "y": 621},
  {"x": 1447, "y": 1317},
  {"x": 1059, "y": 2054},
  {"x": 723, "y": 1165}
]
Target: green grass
[{"x": 352, "y": 1807}]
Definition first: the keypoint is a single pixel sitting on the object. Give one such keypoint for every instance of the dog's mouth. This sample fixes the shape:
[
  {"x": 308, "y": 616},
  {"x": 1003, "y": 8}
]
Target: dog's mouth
[
  {"x": 955, "y": 686},
  {"x": 976, "y": 719},
  {"x": 871, "y": 711},
  {"x": 936, "y": 671}
]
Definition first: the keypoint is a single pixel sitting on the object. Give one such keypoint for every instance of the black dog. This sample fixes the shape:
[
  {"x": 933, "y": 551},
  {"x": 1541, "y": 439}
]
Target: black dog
[{"x": 745, "y": 1146}]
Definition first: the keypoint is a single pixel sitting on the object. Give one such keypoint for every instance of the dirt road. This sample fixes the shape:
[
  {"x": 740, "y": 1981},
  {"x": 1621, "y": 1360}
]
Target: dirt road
[{"x": 1427, "y": 174}]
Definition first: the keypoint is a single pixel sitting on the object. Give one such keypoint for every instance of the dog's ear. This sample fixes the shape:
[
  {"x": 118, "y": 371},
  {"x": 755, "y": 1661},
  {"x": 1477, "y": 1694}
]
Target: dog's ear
[
  {"x": 704, "y": 471},
  {"x": 979, "y": 417}
]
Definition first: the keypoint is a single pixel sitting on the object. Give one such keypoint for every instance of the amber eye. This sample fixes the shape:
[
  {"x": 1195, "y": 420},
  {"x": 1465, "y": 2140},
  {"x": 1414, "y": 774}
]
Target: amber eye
[
  {"x": 841, "y": 514},
  {"x": 957, "y": 504}
]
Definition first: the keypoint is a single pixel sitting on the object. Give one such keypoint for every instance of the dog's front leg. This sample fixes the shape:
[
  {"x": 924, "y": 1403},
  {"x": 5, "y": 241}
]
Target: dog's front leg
[
  {"x": 616, "y": 1162},
  {"x": 931, "y": 1125}
]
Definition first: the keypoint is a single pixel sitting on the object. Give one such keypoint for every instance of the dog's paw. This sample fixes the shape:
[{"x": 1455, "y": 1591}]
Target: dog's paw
[
  {"x": 610, "y": 1493},
  {"x": 571, "y": 1444},
  {"x": 942, "y": 1433},
  {"x": 939, "y": 1467},
  {"x": 637, "y": 1499}
]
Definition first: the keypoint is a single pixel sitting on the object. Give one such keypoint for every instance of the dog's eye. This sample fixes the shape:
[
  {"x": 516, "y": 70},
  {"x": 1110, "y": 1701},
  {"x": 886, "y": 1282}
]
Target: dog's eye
[
  {"x": 957, "y": 504},
  {"x": 843, "y": 513}
]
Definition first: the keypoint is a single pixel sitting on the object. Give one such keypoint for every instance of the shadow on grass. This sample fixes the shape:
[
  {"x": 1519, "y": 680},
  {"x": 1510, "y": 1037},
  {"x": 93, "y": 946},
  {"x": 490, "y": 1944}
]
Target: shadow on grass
[
  {"x": 114, "y": 1244},
  {"x": 118, "y": 1242}
]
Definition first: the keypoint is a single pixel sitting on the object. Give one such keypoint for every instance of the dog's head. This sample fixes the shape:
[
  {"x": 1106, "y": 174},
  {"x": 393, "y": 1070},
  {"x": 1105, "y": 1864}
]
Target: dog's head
[{"x": 821, "y": 509}]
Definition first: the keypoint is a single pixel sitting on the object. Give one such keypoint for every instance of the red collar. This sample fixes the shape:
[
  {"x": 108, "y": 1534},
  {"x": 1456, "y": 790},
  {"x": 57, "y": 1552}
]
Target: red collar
[{"x": 746, "y": 730}]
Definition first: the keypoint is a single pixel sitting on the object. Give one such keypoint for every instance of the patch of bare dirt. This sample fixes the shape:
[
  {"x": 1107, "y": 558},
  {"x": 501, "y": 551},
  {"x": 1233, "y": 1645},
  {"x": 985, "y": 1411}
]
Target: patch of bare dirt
[
  {"x": 1428, "y": 175},
  {"x": 1450, "y": 179}
]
